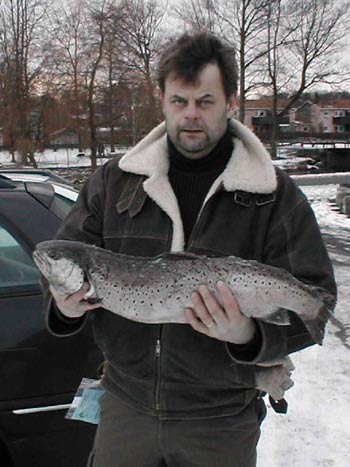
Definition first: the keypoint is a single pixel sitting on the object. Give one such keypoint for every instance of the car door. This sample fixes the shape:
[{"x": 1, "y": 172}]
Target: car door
[{"x": 39, "y": 372}]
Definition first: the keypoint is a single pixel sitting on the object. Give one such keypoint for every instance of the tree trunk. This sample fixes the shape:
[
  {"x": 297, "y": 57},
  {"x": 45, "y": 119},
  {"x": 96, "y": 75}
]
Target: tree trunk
[
  {"x": 92, "y": 126},
  {"x": 112, "y": 142},
  {"x": 275, "y": 127}
]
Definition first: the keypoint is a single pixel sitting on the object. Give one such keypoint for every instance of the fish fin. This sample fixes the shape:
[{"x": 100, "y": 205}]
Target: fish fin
[
  {"x": 279, "y": 316},
  {"x": 177, "y": 255},
  {"x": 94, "y": 300}
]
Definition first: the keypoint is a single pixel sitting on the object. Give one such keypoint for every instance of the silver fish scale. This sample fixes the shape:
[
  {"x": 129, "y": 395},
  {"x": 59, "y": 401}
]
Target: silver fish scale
[
  {"x": 149, "y": 292},
  {"x": 159, "y": 290}
]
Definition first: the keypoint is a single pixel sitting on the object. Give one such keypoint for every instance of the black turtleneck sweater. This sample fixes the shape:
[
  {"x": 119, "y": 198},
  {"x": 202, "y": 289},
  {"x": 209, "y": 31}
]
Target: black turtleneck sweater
[{"x": 192, "y": 179}]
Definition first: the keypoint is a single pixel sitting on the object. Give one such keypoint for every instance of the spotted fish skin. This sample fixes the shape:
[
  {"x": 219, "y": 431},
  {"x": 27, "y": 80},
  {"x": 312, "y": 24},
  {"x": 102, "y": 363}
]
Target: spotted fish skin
[{"x": 157, "y": 290}]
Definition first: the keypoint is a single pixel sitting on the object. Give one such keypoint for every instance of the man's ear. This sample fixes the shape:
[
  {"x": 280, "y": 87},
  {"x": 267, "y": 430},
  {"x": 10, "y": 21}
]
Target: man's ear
[
  {"x": 232, "y": 104},
  {"x": 162, "y": 99}
]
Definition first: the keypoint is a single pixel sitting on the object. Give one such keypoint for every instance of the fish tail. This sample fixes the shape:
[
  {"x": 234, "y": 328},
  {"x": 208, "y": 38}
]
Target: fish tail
[
  {"x": 325, "y": 296},
  {"x": 316, "y": 327},
  {"x": 327, "y": 302}
]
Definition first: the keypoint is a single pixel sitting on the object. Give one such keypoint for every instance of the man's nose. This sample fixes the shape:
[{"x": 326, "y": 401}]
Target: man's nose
[{"x": 191, "y": 111}]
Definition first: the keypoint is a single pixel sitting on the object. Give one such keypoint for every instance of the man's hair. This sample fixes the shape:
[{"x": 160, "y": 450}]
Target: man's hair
[{"x": 189, "y": 54}]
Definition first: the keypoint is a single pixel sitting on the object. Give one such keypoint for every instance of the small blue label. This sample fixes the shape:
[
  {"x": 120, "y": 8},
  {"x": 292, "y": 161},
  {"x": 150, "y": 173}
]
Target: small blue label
[{"x": 88, "y": 408}]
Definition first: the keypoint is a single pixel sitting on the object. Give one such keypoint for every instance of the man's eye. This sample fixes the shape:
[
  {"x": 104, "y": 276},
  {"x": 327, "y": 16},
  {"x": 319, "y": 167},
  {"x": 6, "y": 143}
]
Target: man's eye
[
  {"x": 178, "y": 101},
  {"x": 205, "y": 103}
]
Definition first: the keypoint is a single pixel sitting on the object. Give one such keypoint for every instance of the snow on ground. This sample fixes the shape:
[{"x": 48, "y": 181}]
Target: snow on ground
[
  {"x": 316, "y": 430},
  {"x": 61, "y": 158}
]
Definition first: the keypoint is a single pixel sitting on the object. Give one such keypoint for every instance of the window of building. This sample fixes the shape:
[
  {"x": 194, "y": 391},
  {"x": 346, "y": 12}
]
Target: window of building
[
  {"x": 260, "y": 113},
  {"x": 325, "y": 129}
]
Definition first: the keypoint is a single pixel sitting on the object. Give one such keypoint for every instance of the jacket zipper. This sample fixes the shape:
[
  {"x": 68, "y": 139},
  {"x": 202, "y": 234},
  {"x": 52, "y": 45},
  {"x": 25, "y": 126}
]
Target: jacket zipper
[
  {"x": 199, "y": 218},
  {"x": 158, "y": 350}
]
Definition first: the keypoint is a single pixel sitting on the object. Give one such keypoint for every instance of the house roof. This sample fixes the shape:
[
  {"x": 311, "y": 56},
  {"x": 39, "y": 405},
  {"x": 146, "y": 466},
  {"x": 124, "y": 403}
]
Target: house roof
[
  {"x": 62, "y": 131},
  {"x": 263, "y": 103},
  {"x": 336, "y": 104},
  {"x": 267, "y": 103}
]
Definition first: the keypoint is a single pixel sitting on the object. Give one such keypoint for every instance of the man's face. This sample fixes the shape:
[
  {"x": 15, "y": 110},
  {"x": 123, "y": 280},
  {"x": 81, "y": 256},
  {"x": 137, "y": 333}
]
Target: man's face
[{"x": 196, "y": 113}]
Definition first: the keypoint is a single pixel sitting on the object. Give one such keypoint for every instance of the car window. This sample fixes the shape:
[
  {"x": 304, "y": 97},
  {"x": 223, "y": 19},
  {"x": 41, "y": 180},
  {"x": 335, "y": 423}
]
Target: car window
[
  {"x": 61, "y": 205},
  {"x": 16, "y": 266}
]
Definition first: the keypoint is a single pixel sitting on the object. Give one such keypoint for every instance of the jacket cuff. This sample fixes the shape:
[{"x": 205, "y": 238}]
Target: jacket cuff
[
  {"x": 59, "y": 324},
  {"x": 269, "y": 343}
]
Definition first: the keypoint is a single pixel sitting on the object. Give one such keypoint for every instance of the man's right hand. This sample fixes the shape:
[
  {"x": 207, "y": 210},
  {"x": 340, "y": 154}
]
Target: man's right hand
[{"x": 74, "y": 305}]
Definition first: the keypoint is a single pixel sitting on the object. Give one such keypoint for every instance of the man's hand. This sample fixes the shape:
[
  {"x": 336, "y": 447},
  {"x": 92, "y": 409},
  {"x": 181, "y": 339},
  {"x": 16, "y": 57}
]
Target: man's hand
[
  {"x": 274, "y": 377},
  {"x": 225, "y": 322},
  {"x": 74, "y": 305}
]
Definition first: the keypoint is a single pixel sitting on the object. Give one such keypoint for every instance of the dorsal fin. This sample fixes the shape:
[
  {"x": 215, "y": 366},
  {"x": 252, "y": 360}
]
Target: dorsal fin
[{"x": 178, "y": 255}]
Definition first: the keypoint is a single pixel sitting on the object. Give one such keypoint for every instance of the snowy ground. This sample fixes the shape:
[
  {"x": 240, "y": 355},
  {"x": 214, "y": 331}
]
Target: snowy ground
[
  {"x": 52, "y": 159},
  {"x": 316, "y": 430}
]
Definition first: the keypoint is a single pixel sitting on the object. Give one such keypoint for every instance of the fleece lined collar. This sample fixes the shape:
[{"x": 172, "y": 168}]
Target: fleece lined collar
[{"x": 249, "y": 169}]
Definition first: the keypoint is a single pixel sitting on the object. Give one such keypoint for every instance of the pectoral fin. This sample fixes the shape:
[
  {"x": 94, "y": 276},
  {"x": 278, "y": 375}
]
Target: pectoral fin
[{"x": 279, "y": 316}]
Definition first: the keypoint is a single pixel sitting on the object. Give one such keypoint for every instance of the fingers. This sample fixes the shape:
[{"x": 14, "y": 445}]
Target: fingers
[
  {"x": 273, "y": 380},
  {"x": 288, "y": 364},
  {"x": 207, "y": 307},
  {"x": 195, "y": 322},
  {"x": 219, "y": 317},
  {"x": 277, "y": 391},
  {"x": 228, "y": 300},
  {"x": 74, "y": 305}
]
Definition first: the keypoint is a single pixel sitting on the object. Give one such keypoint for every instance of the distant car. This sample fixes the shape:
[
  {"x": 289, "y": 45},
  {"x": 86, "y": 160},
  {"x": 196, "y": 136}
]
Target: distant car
[{"x": 39, "y": 373}]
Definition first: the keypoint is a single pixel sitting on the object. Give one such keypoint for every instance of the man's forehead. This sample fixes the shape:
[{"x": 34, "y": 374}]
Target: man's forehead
[{"x": 208, "y": 81}]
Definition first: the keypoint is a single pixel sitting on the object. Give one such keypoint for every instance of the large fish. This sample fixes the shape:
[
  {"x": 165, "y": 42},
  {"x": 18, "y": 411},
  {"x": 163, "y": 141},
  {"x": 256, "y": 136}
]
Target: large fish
[{"x": 157, "y": 290}]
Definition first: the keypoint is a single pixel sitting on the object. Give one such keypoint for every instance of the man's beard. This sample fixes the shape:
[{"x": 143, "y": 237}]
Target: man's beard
[{"x": 193, "y": 145}]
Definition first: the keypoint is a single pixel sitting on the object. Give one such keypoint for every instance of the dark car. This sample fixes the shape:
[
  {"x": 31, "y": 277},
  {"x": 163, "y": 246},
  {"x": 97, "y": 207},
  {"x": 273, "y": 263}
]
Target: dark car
[{"x": 39, "y": 373}]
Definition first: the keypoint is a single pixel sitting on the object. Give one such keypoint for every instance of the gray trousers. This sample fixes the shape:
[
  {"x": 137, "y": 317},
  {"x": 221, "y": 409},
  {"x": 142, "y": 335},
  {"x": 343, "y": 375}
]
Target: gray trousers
[{"x": 128, "y": 438}]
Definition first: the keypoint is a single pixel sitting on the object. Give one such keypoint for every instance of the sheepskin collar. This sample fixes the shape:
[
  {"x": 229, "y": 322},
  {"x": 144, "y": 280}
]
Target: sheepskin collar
[{"x": 249, "y": 169}]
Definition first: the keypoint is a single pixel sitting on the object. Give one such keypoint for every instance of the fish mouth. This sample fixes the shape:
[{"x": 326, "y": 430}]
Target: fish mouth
[
  {"x": 49, "y": 267},
  {"x": 41, "y": 262}
]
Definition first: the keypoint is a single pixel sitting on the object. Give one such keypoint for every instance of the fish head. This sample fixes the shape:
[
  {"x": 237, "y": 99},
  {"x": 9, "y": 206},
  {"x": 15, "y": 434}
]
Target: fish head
[{"x": 58, "y": 267}]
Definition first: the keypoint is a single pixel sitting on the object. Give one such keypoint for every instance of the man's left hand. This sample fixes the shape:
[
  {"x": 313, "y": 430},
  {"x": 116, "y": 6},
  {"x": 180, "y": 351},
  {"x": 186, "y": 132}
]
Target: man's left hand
[{"x": 224, "y": 322}]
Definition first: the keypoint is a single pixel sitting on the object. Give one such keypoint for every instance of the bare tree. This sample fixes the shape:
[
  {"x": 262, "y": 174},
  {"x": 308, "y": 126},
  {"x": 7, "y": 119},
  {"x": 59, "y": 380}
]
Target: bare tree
[
  {"x": 100, "y": 17},
  {"x": 197, "y": 15},
  {"x": 304, "y": 41},
  {"x": 138, "y": 28},
  {"x": 111, "y": 95},
  {"x": 70, "y": 45},
  {"x": 79, "y": 34},
  {"x": 243, "y": 22},
  {"x": 21, "y": 26}
]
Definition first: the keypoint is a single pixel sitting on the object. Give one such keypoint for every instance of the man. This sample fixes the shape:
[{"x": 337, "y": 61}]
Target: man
[{"x": 185, "y": 395}]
